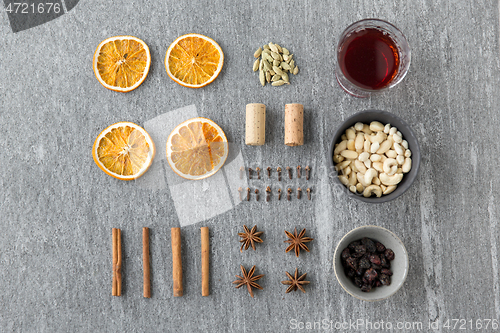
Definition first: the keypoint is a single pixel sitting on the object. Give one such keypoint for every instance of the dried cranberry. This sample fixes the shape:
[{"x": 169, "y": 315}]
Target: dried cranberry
[
  {"x": 389, "y": 254},
  {"x": 380, "y": 247},
  {"x": 358, "y": 281},
  {"x": 375, "y": 259},
  {"x": 370, "y": 275},
  {"x": 383, "y": 260},
  {"x": 352, "y": 262},
  {"x": 378, "y": 283},
  {"x": 376, "y": 267},
  {"x": 385, "y": 279},
  {"x": 350, "y": 272},
  {"x": 369, "y": 244},
  {"x": 386, "y": 271},
  {"x": 360, "y": 249},
  {"x": 353, "y": 245},
  {"x": 364, "y": 263},
  {"x": 360, "y": 271},
  {"x": 345, "y": 254},
  {"x": 366, "y": 288}
]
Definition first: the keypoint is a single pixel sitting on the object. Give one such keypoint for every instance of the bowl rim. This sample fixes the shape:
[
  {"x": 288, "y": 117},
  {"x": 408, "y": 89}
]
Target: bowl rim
[
  {"x": 410, "y": 176},
  {"x": 406, "y": 268}
]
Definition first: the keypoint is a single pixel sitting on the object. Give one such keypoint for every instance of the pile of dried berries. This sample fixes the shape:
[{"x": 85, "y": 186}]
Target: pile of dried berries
[{"x": 367, "y": 263}]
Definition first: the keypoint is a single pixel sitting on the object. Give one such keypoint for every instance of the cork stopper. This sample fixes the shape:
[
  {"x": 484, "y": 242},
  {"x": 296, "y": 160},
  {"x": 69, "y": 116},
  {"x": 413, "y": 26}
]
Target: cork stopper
[
  {"x": 255, "y": 128},
  {"x": 294, "y": 123}
]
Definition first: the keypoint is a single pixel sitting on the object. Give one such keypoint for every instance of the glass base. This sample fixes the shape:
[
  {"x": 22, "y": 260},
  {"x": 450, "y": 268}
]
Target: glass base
[{"x": 352, "y": 89}]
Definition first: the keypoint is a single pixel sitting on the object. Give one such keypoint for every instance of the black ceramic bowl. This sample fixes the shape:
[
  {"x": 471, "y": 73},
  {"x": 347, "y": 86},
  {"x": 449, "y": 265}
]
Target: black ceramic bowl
[{"x": 384, "y": 117}]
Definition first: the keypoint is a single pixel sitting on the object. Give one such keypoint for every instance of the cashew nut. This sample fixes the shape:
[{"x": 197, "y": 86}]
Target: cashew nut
[
  {"x": 341, "y": 146},
  {"x": 338, "y": 158},
  {"x": 400, "y": 159},
  {"x": 342, "y": 165},
  {"x": 353, "y": 179},
  {"x": 369, "y": 175},
  {"x": 360, "y": 166},
  {"x": 368, "y": 164},
  {"x": 379, "y": 137},
  {"x": 367, "y": 146},
  {"x": 358, "y": 126},
  {"x": 407, "y": 165},
  {"x": 359, "y": 142},
  {"x": 398, "y": 148},
  {"x": 375, "y": 146},
  {"x": 379, "y": 166},
  {"x": 407, "y": 153},
  {"x": 390, "y": 166},
  {"x": 397, "y": 138},
  {"x": 376, "y": 126},
  {"x": 350, "y": 134},
  {"x": 349, "y": 154},
  {"x": 376, "y": 181},
  {"x": 372, "y": 189},
  {"x": 361, "y": 179},
  {"x": 346, "y": 171},
  {"x": 366, "y": 129},
  {"x": 353, "y": 167},
  {"x": 391, "y": 153},
  {"x": 383, "y": 187},
  {"x": 344, "y": 180},
  {"x": 387, "y": 128},
  {"x": 389, "y": 189},
  {"x": 390, "y": 180},
  {"x": 393, "y": 131},
  {"x": 360, "y": 188},
  {"x": 363, "y": 156},
  {"x": 352, "y": 188},
  {"x": 404, "y": 144},
  {"x": 375, "y": 158},
  {"x": 385, "y": 146},
  {"x": 343, "y": 137},
  {"x": 350, "y": 144}
]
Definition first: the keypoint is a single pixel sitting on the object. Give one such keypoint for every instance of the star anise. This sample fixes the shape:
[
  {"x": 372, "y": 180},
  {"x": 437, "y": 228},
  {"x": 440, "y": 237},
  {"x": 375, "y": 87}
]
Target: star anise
[
  {"x": 248, "y": 279},
  {"x": 250, "y": 237},
  {"x": 297, "y": 241},
  {"x": 295, "y": 282}
]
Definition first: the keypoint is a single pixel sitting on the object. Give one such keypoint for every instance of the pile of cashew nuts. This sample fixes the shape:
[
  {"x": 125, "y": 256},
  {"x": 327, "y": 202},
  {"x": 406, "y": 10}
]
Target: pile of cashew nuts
[{"x": 371, "y": 159}]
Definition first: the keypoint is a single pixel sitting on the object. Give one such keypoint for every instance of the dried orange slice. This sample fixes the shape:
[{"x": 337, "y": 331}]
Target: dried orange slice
[
  {"x": 121, "y": 63},
  {"x": 194, "y": 60},
  {"x": 197, "y": 148},
  {"x": 124, "y": 151}
]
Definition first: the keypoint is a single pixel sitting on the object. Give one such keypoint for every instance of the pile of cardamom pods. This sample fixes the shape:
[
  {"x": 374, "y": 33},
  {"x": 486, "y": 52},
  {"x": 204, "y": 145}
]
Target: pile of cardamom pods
[{"x": 274, "y": 63}]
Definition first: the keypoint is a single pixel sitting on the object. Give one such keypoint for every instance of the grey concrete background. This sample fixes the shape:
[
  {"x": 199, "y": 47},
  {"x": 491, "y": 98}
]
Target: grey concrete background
[{"x": 57, "y": 208}]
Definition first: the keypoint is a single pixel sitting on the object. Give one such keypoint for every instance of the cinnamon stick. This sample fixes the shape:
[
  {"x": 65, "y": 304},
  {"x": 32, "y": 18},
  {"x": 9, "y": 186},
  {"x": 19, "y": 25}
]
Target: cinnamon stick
[
  {"x": 175, "y": 234},
  {"x": 205, "y": 262},
  {"x": 146, "y": 263},
  {"x": 117, "y": 263}
]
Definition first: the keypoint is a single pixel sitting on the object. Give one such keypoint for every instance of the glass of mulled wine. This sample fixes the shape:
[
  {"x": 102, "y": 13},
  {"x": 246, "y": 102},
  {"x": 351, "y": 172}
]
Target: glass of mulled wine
[{"x": 372, "y": 56}]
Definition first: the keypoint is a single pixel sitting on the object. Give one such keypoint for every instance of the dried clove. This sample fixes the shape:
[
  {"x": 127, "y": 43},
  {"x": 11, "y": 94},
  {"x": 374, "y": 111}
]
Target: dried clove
[
  {"x": 279, "y": 194},
  {"x": 268, "y": 193},
  {"x": 248, "y": 194},
  {"x": 250, "y": 173},
  {"x": 256, "y": 194},
  {"x": 298, "y": 171},
  {"x": 308, "y": 169},
  {"x": 268, "y": 172},
  {"x": 258, "y": 172},
  {"x": 308, "y": 193},
  {"x": 299, "y": 192},
  {"x": 279, "y": 173},
  {"x": 289, "y": 172},
  {"x": 289, "y": 194}
]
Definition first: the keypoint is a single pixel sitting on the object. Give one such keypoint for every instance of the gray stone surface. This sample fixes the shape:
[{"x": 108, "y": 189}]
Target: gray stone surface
[{"x": 57, "y": 208}]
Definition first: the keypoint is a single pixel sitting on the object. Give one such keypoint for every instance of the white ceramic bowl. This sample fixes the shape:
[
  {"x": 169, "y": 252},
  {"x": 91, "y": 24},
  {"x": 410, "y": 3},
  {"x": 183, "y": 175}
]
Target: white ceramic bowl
[{"x": 399, "y": 265}]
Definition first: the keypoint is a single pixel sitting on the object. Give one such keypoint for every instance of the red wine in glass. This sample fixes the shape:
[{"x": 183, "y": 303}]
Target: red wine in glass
[{"x": 369, "y": 58}]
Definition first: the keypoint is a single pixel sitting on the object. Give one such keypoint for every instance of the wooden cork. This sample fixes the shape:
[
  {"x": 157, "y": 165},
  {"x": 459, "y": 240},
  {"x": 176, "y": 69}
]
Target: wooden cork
[
  {"x": 255, "y": 129},
  {"x": 294, "y": 123}
]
